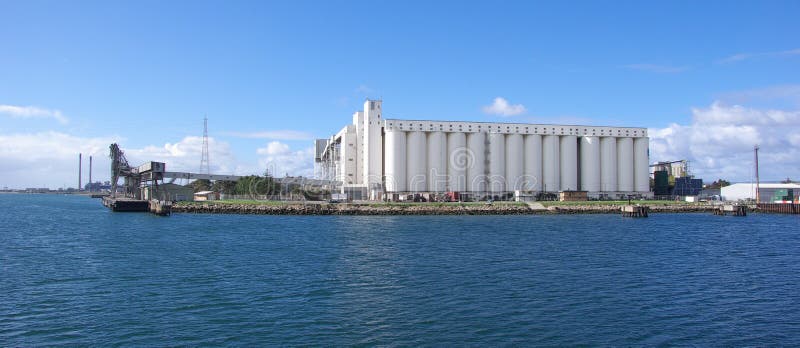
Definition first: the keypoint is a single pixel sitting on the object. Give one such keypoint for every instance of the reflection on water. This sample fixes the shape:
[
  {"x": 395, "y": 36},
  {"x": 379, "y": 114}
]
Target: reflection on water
[{"x": 75, "y": 274}]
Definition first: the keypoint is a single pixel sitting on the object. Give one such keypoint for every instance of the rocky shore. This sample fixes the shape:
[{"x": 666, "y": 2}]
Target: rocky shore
[
  {"x": 615, "y": 209},
  {"x": 419, "y": 209},
  {"x": 353, "y": 209}
]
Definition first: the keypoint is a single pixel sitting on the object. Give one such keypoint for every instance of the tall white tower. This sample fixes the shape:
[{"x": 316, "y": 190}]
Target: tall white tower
[{"x": 373, "y": 155}]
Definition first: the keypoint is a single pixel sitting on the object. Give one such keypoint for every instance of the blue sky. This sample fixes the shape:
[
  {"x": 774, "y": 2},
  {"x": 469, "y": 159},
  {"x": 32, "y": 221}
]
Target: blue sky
[{"x": 273, "y": 75}]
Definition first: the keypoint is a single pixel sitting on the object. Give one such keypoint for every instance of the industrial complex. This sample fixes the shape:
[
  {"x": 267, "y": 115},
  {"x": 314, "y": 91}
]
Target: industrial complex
[{"x": 389, "y": 159}]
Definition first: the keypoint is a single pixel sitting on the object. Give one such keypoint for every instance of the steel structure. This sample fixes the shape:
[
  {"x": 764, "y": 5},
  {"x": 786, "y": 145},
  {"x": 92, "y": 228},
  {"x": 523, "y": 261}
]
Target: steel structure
[
  {"x": 205, "y": 165},
  {"x": 148, "y": 174},
  {"x": 121, "y": 169}
]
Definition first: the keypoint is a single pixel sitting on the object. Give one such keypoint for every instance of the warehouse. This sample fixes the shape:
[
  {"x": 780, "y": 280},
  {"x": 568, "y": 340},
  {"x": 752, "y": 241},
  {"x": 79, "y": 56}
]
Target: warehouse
[
  {"x": 377, "y": 158},
  {"x": 768, "y": 192}
]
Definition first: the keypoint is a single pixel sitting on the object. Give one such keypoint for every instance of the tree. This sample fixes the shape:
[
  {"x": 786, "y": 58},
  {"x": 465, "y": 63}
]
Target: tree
[
  {"x": 222, "y": 186},
  {"x": 200, "y": 185},
  {"x": 787, "y": 181},
  {"x": 720, "y": 183},
  {"x": 256, "y": 185}
]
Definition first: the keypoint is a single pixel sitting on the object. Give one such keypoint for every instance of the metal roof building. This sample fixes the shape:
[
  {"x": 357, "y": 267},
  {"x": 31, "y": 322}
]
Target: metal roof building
[{"x": 747, "y": 191}]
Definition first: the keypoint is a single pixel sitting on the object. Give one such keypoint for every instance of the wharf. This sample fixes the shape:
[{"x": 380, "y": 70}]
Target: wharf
[
  {"x": 124, "y": 204},
  {"x": 780, "y": 208},
  {"x": 635, "y": 211},
  {"x": 733, "y": 209}
]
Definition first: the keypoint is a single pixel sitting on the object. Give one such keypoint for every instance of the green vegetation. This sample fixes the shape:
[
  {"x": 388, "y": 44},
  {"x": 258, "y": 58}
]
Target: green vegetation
[
  {"x": 200, "y": 185},
  {"x": 439, "y": 204},
  {"x": 618, "y": 203},
  {"x": 256, "y": 185},
  {"x": 248, "y": 185},
  {"x": 237, "y": 201},
  {"x": 718, "y": 184}
]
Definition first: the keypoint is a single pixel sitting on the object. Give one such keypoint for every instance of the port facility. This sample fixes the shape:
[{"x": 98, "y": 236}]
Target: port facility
[{"x": 388, "y": 159}]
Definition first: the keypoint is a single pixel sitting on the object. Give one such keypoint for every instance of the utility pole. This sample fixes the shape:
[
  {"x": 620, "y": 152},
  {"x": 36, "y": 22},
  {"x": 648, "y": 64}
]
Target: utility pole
[
  {"x": 90, "y": 173},
  {"x": 758, "y": 183}
]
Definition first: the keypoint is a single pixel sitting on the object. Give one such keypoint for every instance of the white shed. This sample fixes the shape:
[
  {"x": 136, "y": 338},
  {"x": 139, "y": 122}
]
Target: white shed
[
  {"x": 745, "y": 191},
  {"x": 206, "y": 196}
]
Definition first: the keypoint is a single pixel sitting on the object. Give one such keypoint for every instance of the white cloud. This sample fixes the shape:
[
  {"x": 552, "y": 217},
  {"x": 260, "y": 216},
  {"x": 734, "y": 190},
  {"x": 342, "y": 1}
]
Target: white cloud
[
  {"x": 751, "y": 55},
  {"x": 719, "y": 142},
  {"x": 502, "y": 107},
  {"x": 657, "y": 68},
  {"x": 274, "y": 148},
  {"x": 32, "y": 112},
  {"x": 50, "y": 159},
  {"x": 280, "y": 159},
  {"x": 185, "y": 156},
  {"x": 272, "y": 134}
]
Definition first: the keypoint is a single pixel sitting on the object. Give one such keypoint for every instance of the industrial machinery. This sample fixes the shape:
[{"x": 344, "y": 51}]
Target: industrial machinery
[
  {"x": 147, "y": 175},
  {"x": 121, "y": 168}
]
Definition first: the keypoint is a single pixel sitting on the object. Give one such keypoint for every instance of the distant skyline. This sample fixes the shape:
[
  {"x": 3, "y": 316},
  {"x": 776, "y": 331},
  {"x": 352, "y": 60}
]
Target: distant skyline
[{"x": 709, "y": 79}]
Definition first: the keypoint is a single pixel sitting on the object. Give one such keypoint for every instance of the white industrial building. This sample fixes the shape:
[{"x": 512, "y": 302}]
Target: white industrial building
[
  {"x": 374, "y": 157},
  {"x": 767, "y": 191}
]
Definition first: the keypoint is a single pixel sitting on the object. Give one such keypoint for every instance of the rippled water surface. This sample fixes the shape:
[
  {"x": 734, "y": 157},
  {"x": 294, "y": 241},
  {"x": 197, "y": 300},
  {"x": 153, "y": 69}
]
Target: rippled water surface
[{"x": 73, "y": 273}]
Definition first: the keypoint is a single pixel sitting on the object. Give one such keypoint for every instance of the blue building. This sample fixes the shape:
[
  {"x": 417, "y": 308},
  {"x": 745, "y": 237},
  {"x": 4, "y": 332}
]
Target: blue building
[{"x": 687, "y": 186}]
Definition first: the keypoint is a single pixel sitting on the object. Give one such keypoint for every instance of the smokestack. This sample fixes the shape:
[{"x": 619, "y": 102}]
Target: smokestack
[
  {"x": 80, "y": 159},
  {"x": 90, "y": 172}
]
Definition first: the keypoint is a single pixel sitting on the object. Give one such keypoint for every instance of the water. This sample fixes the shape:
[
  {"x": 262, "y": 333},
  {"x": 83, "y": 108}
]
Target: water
[{"x": 73, "y": 273}]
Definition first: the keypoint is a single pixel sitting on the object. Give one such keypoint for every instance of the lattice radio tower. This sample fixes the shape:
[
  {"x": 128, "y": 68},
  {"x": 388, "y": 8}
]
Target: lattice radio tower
[{"x": 204, "y": 166}]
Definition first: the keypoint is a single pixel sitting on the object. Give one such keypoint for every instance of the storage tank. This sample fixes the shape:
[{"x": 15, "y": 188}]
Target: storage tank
[
  {"x": 476, "y": 162},
  {"x": 590, "y": 164},
  {"x": 608, "y": 164},
  {"x": 457, "y": 161},
  {"x": 497, "y": 162},
  {"x": 550, "y": 164},
  {"x": 416, "y": 154},
  {"x": 437, "y": 162},
  {"x": 533, "y": 162},
  {"x": 395, "y": 161},
  {"x": 515, "y": 161},
  {"x": 625, "y": 164},
  {"x": 569, "y": 163},
  {"x": 641, "y": 165}
]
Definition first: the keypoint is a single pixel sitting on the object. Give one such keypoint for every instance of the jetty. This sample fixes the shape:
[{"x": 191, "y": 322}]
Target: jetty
[
  {"x": 125, "y": 204},
  {"x": 733, "y": 209},
  {"x": 635, "y": 210}
]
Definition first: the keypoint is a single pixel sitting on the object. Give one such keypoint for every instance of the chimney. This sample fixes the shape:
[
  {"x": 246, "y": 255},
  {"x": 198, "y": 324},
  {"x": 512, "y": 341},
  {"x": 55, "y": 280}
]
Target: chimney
[{"x": 80, "y": 159}]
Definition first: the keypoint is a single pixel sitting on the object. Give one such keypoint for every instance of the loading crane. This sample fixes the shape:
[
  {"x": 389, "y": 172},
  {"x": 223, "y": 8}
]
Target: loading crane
[{"x": 121, "y": 168}]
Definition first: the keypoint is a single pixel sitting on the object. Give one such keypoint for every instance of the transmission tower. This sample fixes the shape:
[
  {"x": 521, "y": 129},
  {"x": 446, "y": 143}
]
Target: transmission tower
[{"x": 204, "y": 165}]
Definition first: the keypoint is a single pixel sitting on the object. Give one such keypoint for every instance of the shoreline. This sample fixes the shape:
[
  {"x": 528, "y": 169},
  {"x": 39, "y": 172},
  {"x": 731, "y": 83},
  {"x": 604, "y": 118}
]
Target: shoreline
[{"x": 423, "y": 209}]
